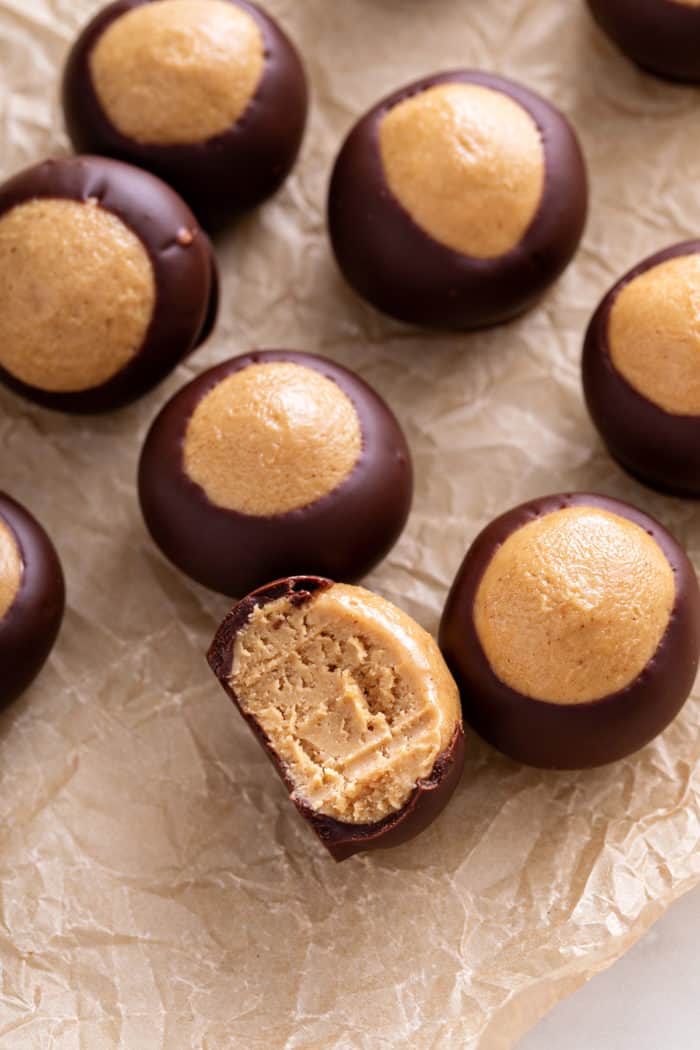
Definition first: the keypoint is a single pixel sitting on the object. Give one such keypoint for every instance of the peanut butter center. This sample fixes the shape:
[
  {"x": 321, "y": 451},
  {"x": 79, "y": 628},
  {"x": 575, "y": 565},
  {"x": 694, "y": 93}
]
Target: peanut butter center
[
  {"x": 11, "y": 569},
  {"x": 178, "y": 71},
  {"x": 271, "y": 438},
  {"x": 78, "y": 293},
  {"x": 353, "y": 696},
  {"x": 573, "y": 605},
  {"x": 467, "y": 163},
  {"x": 654, "y": 334}
]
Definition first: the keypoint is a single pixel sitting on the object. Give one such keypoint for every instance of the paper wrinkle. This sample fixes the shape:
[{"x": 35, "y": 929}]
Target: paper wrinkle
[{"x": 157, "y": 889}]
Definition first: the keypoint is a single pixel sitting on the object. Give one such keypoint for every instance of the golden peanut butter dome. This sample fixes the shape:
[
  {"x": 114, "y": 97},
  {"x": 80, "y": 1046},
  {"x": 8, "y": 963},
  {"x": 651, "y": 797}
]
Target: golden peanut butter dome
[
  {"x": 78, "y": 294},
  {"x": 178, "y": 71},
  {"x": 272, "y": 438},
  {"x": 11, "y": 568},
  {"x": 573, "y": 605},
  {"x": 353, "y": 696},
  {"x": 467, "y": 163},
  {"x": 654, "y": 334}
]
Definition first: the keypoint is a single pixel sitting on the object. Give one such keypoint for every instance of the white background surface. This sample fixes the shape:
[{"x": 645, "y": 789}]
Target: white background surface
[{"x": 646, "y": 1001}]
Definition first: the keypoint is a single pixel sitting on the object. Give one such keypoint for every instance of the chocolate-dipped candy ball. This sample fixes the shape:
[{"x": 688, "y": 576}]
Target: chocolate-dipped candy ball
[
  {"x": 271, "y": 464},
  {"x": 32, "y": 597},
  {"x": 208, "y": 94},
  {"x": 573, "y": 630},
  {"x": 106, "y": 283},
  {"x": 661, "y": 36},
  {"x": 353, "y": 704},
  {"x": 457, "y": 200},
  {"x": 641, "y": 370}
]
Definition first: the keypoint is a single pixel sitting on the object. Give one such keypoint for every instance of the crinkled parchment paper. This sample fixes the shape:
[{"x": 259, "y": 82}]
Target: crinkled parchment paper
[{"x": 157, "y": 890}]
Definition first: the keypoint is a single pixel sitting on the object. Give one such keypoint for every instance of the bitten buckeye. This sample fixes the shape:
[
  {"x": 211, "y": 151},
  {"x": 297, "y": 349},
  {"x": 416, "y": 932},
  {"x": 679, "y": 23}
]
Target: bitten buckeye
[{"x": 353, "y": 704}]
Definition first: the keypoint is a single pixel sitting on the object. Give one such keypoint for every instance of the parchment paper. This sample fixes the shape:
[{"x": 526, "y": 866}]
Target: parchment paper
[{"x": 157, "y": 890}]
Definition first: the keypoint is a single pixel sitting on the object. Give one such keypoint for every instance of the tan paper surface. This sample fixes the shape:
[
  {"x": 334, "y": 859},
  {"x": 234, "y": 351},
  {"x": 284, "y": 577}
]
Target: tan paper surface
[{"x": 157, "y": 890}]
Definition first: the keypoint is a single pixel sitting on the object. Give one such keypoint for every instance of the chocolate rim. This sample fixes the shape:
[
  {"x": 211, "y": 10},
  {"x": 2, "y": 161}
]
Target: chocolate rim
[
  {"x": 575, "y": 736},
  {"x": 658, "y": 35},
  {"x": 185, "y": 270},
  {"x": 343, "y": 534},
  {"x": 657, "y": 447},
  {"x": 221, "y": 176},
  {"x": 341, "y": 839},
  {"x": 402, "y": 271},
  {"x": 29, "y": 628}
]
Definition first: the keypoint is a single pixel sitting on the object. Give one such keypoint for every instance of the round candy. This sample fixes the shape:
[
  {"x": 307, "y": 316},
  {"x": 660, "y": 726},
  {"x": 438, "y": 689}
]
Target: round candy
[
  {"x": 106, "y": 283},
  {"x": 641, "y": 370},
  {"x": 456, "y": 201},
  {"x": 573, "y": 630},
  {"x": 32, "y": 597},
  {"x": 659, "y": 35},
  {"x": 208, "y": 94},
  {"x": 353, "y": 703},
  {"x": 271, "y": 464}
]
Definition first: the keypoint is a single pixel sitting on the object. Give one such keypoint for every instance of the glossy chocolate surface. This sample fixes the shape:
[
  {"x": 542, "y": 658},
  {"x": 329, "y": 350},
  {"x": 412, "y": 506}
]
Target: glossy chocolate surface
[
  {"x": 659, "y": 35},
  {"x": 657, "y": 447},
  {"x": 183, "y": 262},
  {"x": 580, "y": 735},
  {"x": 391, "y": 262},
  {"x": 341, "y": 839},
  {"x": 222, "y": 176},
  {"x": 29, "y": 627},
  {"x": 344, "y": 534}
]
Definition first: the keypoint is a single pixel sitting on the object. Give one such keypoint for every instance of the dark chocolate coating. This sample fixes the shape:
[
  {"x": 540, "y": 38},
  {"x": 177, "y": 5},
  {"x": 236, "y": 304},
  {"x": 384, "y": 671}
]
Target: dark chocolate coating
[
  {"x": 341, "y": 839},
  {"x": 185, "y": 274},
  {"x": 659, "y": 35},
  {"x": 659, "y": 448},
  {"x": 29, "y": 627},
  {"x": 222, "y": 176},
  {"x": 399, "y": 268},
  {"x": 571, "y": 736},
  {"x": 345, "y": 532}
]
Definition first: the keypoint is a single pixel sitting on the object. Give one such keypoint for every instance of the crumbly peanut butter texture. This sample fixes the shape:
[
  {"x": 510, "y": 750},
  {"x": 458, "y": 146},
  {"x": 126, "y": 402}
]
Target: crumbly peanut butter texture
[
  {"x": 353, "y": 695},
  {"x": 78, "y": 294},
  {"x": 573, "y": 605},
  {"x": 654, "y": 334},
  {"x": 467, "y": 163},
  {"x": 178, "y": 71},
  {"x": 271, "y": 438},
  {"x": 11, "y": 568}
]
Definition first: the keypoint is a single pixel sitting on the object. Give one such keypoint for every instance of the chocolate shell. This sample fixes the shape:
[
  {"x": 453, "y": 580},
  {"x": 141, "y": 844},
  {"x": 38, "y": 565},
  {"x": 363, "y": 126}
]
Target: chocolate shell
[
  {"x": 658, "y": 448},
  {"x": 579, "y": 735},
  {"x": 224, "y": 175},
  {"x": 661, "y": 36},
  {"x": 29, "y": 627},
  {"x": 184, "y": 268},
  {"x": 342, "y": 840},
  {"x": 402, "y": 271}
]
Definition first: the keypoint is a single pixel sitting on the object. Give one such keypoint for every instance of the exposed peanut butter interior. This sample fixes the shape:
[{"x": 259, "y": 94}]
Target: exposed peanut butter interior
[
  {"x": 78, "y": 293},
  {"x": 178, "y": 71},
  {"x": 467, "y": 163},
  {"x": 353, "y": 696},
  {"x": 11, "y": 568},
  {"x": 573, "y": 605},
  {"x": 271, "y": 438},
  {"x": 654, "y": 334}
]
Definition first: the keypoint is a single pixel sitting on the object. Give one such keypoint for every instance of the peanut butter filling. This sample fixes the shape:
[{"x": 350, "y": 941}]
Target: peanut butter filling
[
  {"x": 654, "y": 334},
  {"x": 573, "y": 605},
  {"x": 467, "y": 163},
  {"x": 178, "y": 71},
  {"x": 352, "y": 694},
  {"x": 271, "y": 438},
  {"x": 78, "y": 294},
  {"x": 11, "y": 568}
]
